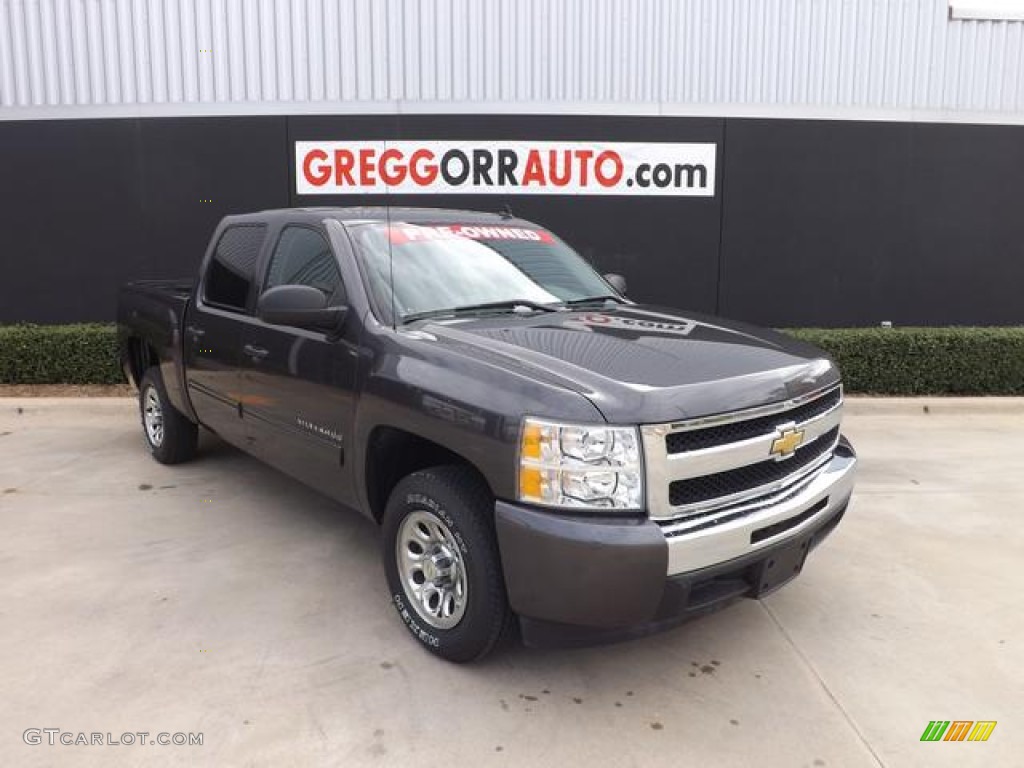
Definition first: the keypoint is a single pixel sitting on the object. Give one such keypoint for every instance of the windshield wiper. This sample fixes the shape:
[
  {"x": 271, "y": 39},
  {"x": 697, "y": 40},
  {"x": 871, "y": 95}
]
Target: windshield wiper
[
  {"x": 594, "y": 299},
  {"x": 470, "y": 308}
]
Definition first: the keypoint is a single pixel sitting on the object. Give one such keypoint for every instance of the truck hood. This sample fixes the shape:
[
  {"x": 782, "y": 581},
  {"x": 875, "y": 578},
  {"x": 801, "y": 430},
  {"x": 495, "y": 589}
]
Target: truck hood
[{"x": 642, "y": 364}]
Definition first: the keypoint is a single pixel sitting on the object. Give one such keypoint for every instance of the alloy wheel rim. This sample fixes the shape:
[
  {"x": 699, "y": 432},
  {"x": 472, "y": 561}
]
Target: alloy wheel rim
[
  {"x": 153, "y": 417},
  {"x": 432, "y": 569}
]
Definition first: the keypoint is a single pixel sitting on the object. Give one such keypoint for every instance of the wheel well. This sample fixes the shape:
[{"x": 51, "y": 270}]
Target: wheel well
[
  {"x": 392, "y": 454},
  {"x": 141, "y": 357}
]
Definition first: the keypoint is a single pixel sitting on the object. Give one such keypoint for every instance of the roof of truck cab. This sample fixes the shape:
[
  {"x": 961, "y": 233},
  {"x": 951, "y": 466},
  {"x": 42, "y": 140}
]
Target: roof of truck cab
[{"x": 362, "y": 214}]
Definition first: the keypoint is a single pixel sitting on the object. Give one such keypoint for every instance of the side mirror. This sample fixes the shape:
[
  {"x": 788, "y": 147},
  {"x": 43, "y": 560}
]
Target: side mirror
[
  {"x": 618, "y": 282},
  {"x": 300, "y": 305}
]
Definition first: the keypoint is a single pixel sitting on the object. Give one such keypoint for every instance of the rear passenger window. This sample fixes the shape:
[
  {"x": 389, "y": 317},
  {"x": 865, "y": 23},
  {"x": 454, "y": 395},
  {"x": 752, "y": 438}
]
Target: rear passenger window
[
  {"x": 233, "y": 266},
  {"x": 303, "y": 257}
]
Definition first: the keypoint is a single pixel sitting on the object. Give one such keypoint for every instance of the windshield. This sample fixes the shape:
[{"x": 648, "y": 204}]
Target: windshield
[{"x": 441, "y": 268}]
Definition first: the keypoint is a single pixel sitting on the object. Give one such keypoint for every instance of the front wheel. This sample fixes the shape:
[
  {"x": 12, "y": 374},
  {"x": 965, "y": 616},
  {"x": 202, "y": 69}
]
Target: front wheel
[{"x": 442, "y": 563}]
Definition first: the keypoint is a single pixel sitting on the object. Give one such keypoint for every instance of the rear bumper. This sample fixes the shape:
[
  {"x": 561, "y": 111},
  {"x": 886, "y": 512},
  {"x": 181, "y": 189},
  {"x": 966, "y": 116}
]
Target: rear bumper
[{"x": 576, "y": 581}]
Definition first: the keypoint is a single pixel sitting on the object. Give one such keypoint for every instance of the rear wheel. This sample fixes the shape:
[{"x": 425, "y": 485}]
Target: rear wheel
[
  {"x": 171, "y": 437},
  {"x": 442, "y": 564}
]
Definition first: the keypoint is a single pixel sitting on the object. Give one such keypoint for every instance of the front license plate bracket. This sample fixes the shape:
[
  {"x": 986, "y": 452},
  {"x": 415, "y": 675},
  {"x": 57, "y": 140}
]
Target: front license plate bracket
[{"x": 781, "y": 566}]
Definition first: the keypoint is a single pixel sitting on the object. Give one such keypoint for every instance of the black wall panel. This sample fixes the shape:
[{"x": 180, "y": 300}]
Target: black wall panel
[
  {"x": 68, "y": 206},
  {"x": 847, "y": 223},
  {"x": 813, "y": 222},
  {"x": 89, "y": 204}
]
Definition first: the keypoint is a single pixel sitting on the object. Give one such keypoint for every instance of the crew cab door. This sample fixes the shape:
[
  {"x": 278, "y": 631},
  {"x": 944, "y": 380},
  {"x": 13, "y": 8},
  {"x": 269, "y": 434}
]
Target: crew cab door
[
  {"x": 213, "y": 330},
  {"x": 300, "y": 382}
]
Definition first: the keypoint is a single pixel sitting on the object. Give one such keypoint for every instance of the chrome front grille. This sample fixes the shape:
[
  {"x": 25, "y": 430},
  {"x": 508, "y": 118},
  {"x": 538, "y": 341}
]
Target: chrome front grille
[
  {"x": 718, "y": 467},
  {"x": 727, "y": 484},
  {"x": 734, "y": 431}
]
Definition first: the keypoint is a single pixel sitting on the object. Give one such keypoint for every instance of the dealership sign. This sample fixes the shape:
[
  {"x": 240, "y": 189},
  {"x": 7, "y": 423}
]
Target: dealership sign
[{"x": 504, "y": 167}]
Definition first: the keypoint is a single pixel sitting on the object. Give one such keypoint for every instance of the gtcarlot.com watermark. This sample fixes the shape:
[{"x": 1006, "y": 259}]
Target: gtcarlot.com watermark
[{"x": 56, "y": 736}]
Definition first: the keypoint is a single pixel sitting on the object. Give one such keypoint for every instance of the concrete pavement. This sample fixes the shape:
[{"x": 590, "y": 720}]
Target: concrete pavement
[{"x": 224, "y": 598}]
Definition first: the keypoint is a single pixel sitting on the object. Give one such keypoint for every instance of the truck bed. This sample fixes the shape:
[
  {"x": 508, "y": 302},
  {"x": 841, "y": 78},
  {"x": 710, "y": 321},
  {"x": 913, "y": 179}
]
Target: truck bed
[
  {"x": 151, "y": 313},
  {"x": 178, "y": 288}
]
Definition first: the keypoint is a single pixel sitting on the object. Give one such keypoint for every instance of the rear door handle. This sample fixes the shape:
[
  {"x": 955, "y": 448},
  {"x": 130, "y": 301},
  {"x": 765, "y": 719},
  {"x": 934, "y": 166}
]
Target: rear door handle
[{"x": 256, "y": 353}]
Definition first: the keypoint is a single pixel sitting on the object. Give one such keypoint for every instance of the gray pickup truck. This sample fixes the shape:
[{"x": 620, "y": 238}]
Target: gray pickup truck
[{"x": 537, "y": 449}]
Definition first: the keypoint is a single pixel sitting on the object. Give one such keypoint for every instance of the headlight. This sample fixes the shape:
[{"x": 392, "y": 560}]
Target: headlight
[{"x": 580, "y": 466}]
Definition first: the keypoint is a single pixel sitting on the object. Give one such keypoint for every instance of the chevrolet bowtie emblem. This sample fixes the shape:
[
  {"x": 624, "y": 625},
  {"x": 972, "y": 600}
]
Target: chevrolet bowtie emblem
[{"x": 788, "y": 440}]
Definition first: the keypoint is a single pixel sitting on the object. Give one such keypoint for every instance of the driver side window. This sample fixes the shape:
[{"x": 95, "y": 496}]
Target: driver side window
[{"x": 302, "y": 256}]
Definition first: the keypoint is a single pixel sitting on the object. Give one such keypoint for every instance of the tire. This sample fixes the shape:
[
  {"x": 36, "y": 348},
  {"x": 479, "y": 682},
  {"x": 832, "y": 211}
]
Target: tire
[
  {"x": 171, "y": 437},
  {"x": 448, "y": 513}
]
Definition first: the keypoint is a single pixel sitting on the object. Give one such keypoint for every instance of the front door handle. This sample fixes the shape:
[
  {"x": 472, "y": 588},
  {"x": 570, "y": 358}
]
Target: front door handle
[
  {"x": 256, "y": 353},
  {"x": 195, "y": 331}
]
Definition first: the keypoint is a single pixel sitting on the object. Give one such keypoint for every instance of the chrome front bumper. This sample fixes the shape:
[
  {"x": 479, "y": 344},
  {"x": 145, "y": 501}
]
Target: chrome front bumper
[{"x": 765, "y": 522}]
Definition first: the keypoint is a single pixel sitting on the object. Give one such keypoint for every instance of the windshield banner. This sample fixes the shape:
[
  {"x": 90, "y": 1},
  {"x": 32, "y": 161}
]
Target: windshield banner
[
  {"x": 504, "y": 167},
  {"x": 409, "y": 233}
]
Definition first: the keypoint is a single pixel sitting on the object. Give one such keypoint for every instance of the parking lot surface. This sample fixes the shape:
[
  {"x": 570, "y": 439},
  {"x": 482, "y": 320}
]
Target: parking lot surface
[{"x": 220, "y": 597}]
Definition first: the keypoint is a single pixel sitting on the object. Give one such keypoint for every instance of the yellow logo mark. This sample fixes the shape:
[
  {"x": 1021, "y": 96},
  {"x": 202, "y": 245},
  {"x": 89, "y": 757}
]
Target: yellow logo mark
[
  {"x": 787, "y": 442},
  {"x": 982, "y": 730}
]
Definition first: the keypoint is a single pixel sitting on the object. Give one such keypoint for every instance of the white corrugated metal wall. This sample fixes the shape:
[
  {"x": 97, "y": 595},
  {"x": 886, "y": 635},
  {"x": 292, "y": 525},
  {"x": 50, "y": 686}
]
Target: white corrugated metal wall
[{"x": 64, "y": 58}]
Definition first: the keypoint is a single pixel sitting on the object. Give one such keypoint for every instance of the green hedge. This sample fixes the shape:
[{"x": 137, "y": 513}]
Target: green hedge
[
  {"x": 925, "y": 361},
  {"x": 59, "y": 354},
  {"x": 900, "y": 361}
]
